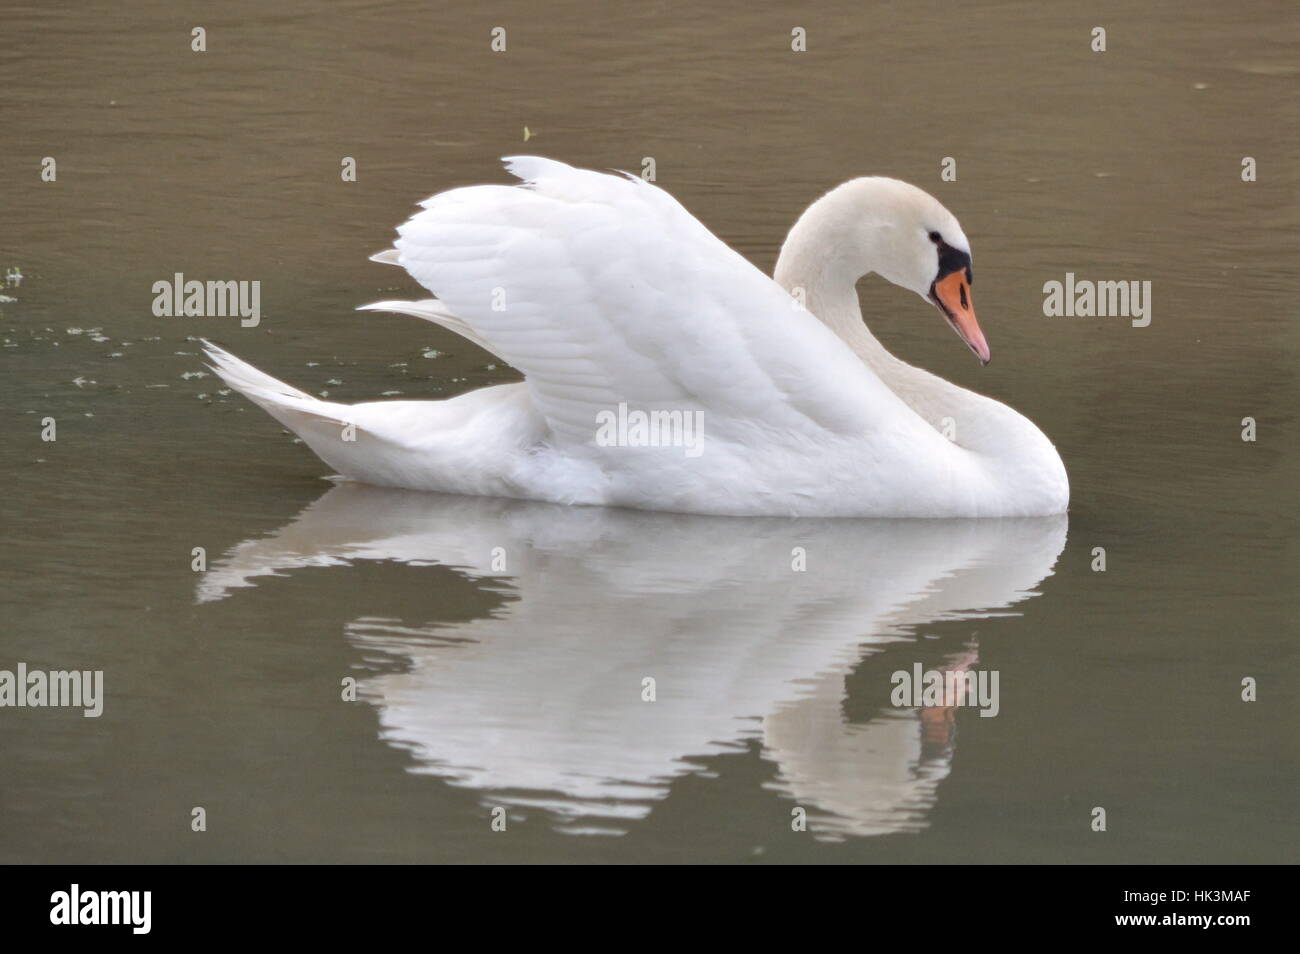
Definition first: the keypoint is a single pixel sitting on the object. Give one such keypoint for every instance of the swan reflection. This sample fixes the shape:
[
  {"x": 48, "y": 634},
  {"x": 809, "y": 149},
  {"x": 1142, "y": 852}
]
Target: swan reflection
[{"x": 539, "y": 703}]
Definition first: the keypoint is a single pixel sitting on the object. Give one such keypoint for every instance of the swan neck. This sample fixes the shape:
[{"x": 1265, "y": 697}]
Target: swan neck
[{"x": 830, "y": 248}]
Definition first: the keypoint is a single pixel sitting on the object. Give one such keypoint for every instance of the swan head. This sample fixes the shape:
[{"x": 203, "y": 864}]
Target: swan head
[
  {"x": 913, "y": 241},
  {"x": 900, "y": 232}
]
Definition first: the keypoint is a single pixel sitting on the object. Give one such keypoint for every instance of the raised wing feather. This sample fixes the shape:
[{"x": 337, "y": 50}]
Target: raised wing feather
[{"x": 602, "y": 289}]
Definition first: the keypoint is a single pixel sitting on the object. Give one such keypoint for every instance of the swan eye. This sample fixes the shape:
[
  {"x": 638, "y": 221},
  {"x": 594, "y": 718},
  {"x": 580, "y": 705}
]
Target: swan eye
[{"x": 951, "y": 259}]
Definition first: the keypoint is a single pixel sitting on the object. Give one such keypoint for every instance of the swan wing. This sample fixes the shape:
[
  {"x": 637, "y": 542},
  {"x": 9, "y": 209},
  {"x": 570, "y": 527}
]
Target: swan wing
[
  {"x": 602, "y": 289},
  {"x": 430, "y": 310}
]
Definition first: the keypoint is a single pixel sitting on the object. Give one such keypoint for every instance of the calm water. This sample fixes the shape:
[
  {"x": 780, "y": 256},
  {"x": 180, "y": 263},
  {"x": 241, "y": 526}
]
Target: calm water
[{"x": 483, "y": 686}]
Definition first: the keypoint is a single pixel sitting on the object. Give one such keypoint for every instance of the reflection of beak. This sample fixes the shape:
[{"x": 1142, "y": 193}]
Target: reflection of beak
[{"x": 952, "y": 294}]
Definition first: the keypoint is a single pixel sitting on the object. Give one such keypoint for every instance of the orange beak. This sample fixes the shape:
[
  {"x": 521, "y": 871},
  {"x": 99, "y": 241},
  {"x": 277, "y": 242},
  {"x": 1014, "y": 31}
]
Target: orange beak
[{"x": 952, "y": 294}]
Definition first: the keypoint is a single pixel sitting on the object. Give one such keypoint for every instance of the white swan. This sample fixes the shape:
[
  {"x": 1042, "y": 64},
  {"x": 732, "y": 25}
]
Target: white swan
[{"x": 733, "y": 393}]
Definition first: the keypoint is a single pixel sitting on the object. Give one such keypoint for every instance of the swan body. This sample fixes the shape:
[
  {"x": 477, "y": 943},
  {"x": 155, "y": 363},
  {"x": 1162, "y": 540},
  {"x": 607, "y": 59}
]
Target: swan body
[{"x": 614, "y": 301}]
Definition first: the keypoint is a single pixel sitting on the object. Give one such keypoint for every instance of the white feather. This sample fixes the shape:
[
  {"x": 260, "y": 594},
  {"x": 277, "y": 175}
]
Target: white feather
[{"x": 430, "y": 310}]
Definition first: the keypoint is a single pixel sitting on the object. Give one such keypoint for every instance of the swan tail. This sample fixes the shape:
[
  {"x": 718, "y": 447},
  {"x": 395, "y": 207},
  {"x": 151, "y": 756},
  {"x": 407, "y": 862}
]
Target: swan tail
[
  {"x": 435, "y": 311},
  {"x": 395, "y": 443},
  {"x": 247, "y": 380},
  {"x": 265, "y": 391},
  {"x": 310, "y": 418}
]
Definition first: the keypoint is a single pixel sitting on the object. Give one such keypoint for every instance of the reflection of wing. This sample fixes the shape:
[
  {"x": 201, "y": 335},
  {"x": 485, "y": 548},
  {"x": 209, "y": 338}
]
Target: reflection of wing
[
  {"x": 603, "y": 289},
  {"x": 541, "y": 703}
]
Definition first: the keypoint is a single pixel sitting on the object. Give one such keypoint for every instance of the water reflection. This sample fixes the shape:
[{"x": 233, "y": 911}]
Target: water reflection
[{"x": 538, "y": 703}]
